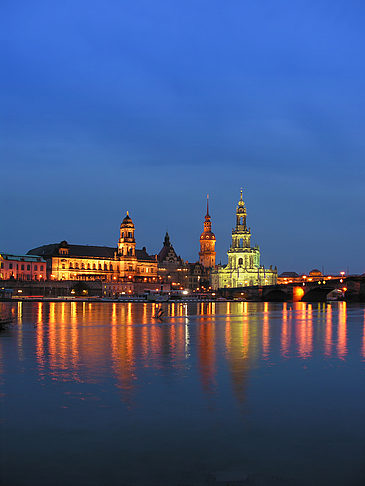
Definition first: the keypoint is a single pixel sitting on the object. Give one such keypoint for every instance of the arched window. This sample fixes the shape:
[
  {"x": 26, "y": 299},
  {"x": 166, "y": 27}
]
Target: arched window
[
  {"x": 105, "y": 266},
  {"x": 88, "y": 266},
  {"x": 94, "y": 267},
  {"x": 241, "y": 242},
  {"x": 240, "y": 261},
  {"x": 76, "y": 265},
  {"x": 111, "y": 267},
  {"x": 70, "y": 266},
  {"x": 100, "y": 266},
  {"x": 82, "y": 265}
]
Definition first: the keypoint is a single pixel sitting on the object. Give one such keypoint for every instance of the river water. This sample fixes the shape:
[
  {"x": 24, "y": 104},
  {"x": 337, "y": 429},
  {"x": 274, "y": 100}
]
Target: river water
[{"x": 257, "y": 393}]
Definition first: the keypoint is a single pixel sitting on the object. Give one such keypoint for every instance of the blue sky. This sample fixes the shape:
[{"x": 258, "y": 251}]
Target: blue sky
[{"x": 147, "y": 106}]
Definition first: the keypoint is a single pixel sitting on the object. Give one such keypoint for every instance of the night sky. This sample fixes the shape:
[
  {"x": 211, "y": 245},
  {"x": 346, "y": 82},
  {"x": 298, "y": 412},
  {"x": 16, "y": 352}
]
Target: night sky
[{"x": 146, "y": 106}]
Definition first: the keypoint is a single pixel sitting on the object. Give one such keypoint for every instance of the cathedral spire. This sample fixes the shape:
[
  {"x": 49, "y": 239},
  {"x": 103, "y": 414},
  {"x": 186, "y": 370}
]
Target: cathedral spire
[{"x": 207, "y": 242}]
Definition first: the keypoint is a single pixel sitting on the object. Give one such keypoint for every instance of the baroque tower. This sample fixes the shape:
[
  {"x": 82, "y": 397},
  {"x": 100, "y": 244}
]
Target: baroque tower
[
  {"x": 127, "y": 243},
  {"x": 207, "y": 242},
  {"x": 241, "y": 236}
]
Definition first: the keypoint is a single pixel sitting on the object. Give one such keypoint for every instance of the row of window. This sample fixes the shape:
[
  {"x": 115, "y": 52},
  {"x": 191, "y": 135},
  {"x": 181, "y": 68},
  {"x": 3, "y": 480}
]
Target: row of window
[
  {"x": 88, "y": 266},
  {"x": 22, "y": 267}
]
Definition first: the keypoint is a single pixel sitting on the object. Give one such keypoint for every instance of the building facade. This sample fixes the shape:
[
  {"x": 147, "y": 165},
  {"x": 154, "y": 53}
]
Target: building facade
[
  {"x": 22, "y": 267},
  {"x": 83, "y": 262},
  {"x": 180, "y": 274},
  {"x": 171, "y": 268},
  {"x": 243, "y": 268}
]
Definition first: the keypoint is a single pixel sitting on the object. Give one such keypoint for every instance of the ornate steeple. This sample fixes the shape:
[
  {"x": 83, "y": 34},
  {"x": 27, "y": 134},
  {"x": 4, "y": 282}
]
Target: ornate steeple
[
  {"x": 207, "y": 242},
  {"x": 207, "y": 222},
  {"x": 241, "y": 214}
]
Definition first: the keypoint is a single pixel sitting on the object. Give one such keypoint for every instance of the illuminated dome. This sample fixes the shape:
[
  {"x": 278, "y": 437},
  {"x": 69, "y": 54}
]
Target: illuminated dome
[
  {"x": 209, "y": 235},
  {"x": 127, "y": 222},
  {"x": 315, "y": 273}
]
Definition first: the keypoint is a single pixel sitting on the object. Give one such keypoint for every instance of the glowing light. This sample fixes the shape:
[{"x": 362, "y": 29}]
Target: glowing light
[{"x": 298, "y": 293}]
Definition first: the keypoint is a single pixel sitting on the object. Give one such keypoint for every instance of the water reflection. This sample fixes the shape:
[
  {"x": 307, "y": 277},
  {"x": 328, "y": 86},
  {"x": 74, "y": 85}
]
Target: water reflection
[
  {"x": 223, "y": 384},
  {"x": 285, "y": 332},
  {"x": 84, "y": 341},
  {"x": 328, "y": 331},
  {"x": 363, "y": 339},
  {"x": 342, "y": 331},
  {"x": 304, "y": 329}
]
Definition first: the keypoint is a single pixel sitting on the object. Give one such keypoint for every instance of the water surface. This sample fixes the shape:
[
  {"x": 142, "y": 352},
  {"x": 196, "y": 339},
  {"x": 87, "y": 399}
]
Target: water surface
[{"x": 103, "y": 394}]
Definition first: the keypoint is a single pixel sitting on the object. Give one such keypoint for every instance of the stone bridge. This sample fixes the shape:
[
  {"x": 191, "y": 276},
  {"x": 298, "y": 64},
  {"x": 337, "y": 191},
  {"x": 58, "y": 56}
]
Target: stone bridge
[{"x": 352, "y": 289}]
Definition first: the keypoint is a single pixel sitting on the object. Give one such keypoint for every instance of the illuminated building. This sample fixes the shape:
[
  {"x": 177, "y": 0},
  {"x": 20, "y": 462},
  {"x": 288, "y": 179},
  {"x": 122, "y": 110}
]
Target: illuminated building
[
  {"x": 171, "y": 268},
  {"x": 180, "y": 274},
  {"x": 314, "y": 275},
  {"x": 207, "y": 243},
  {"x": 83, "y": 262},
  {"x": 22, "y": 267},
  {"x": 243, "y": 268}
]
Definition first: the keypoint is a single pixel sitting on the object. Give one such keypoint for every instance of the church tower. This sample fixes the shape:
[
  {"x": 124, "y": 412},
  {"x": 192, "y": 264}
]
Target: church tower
[
  {"x": 241, "y": 236},
  {"x": 243, "y": 268},
  {"x": 127, "y": 243},
  {"x": 207, "y": 242}
]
